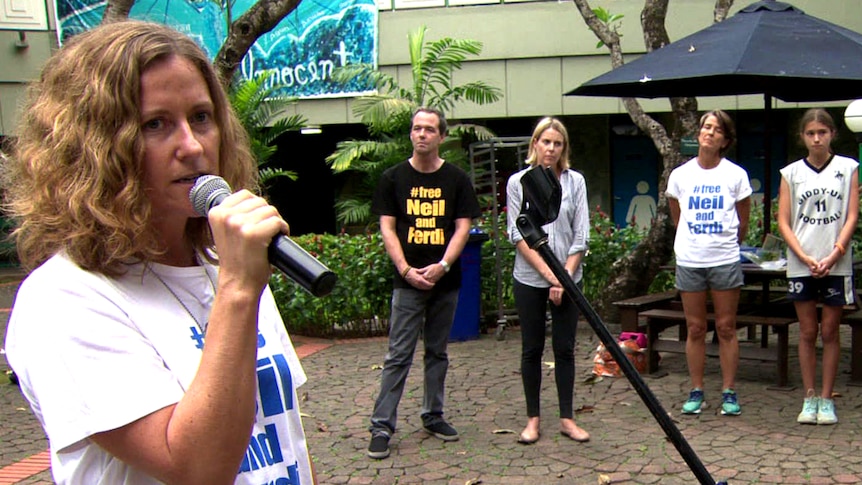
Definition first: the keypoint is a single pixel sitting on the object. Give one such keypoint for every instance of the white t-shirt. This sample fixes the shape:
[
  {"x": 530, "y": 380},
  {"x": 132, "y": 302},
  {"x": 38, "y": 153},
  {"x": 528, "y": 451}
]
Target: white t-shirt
[
  {"x": 95, "y": 353},
  {"x": 818, "y": 211},
  {"x": 707, "y": 233}
]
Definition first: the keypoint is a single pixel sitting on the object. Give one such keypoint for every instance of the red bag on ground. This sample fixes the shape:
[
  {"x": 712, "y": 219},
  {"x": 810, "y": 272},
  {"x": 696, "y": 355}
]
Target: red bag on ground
[
  {"x": 603, "y": 361},
  {"x": 638, "y": 337}
]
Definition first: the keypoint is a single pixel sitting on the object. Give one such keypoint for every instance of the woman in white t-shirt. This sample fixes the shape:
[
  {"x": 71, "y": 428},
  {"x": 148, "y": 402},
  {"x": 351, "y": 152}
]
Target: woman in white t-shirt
[
  {"x": 709, "y": 199},
  {"x": 161, "y": 357},
  {"x": 818, "y": 206}
]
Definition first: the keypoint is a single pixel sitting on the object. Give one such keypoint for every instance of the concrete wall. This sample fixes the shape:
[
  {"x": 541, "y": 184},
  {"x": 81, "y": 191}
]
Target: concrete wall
[
  {"x": 21, "y": 62},
  {"x": 534, "y": 51}
]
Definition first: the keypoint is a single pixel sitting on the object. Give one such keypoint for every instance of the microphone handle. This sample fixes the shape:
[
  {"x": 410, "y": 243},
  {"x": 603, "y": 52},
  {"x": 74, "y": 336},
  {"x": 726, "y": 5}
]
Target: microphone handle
[{"x": 301, "y": 267}]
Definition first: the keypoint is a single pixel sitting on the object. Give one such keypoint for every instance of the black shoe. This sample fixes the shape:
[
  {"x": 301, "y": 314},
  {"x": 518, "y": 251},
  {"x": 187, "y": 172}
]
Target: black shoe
[
  {"x": 442, "y": 430},
  {"x": 379, "y": 447}
]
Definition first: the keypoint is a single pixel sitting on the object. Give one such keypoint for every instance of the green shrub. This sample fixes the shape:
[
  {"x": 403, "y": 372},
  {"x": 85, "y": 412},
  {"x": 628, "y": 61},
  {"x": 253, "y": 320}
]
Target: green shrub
[
  {"x": 608, "y": 243},
  {"x": 8, "y": 249},
  {"x": 491, "y": 304},
  {"x": 359, "y": 303},
  {"x": 756, "y": 233}
]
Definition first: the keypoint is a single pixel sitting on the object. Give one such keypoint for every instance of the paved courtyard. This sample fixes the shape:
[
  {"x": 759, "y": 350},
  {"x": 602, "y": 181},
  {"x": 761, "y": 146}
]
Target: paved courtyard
[{"x": 485, "y": 403}]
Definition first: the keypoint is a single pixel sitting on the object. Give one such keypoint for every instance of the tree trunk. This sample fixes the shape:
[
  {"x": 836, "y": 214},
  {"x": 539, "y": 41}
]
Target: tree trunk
[
  {"x": 116, "y": 10},
  {"x": 633, "y": 274},
  {"x": 721, "y": 9},
  {"x": 259, "y": 19}
]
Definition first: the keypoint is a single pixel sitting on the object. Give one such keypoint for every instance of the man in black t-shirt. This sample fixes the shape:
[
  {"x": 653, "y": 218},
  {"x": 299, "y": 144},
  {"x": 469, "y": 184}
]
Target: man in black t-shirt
[{"x": 426, "y": 207}]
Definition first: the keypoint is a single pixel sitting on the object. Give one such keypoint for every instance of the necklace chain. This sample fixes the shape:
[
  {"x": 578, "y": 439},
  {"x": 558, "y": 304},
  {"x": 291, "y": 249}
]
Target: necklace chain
[{"x": 201, "y": 327}]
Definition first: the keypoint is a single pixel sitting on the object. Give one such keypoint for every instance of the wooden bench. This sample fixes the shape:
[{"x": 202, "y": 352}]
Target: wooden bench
[
  {"x": 631, "y": 307},
  {"x": 659, "y": 320},
  {"x": 753, "y": 297}
]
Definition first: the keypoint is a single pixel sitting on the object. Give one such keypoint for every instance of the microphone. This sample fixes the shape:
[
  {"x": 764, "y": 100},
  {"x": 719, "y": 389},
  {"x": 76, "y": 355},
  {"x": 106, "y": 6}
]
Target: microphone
[{"x": 301, "y": 267}]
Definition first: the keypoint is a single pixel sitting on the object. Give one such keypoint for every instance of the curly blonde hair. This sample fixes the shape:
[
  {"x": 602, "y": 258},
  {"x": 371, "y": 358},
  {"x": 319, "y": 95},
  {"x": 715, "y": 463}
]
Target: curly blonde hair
[
  {"x": 73, "y": 181},
  {"x": 549, "y": 123}
]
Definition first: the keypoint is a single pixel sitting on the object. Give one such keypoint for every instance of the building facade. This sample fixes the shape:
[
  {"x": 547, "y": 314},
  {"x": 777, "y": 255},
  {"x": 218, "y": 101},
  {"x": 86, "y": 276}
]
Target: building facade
[{"x": 534, "y": 51}]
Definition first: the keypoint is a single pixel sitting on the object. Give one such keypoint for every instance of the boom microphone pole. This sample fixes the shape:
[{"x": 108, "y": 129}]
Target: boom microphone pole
[{"x": 542, "y": 197}]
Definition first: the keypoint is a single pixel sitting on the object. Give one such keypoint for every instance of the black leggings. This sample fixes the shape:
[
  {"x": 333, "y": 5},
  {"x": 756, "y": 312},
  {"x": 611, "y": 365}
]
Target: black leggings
[{"x": 532, "y": 303}]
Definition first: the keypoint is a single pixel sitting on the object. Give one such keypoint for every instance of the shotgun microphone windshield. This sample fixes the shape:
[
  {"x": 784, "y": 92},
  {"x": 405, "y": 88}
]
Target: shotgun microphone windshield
[{"x": 301, "y": 267}]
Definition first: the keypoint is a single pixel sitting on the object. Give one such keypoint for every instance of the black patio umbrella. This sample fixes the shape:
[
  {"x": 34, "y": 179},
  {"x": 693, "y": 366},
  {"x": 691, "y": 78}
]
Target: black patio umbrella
[{"x": 769, "y": 47}]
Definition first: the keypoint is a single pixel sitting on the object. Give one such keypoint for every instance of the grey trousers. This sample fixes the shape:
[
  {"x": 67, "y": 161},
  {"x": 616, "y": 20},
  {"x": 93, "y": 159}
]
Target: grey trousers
[{"x": 430, "y": 313}]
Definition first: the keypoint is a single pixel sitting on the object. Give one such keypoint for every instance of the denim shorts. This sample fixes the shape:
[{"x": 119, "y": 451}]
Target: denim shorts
[{"x": 725, "y": 277}]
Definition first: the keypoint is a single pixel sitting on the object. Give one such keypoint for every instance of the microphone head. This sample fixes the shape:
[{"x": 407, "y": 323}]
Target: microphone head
[{"x": 208, "y": 191}]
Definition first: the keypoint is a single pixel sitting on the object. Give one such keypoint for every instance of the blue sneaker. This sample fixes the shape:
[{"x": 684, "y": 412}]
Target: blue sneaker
[
  {"x": 695, "y": 402},
  {"x": 729, "y": 403}
]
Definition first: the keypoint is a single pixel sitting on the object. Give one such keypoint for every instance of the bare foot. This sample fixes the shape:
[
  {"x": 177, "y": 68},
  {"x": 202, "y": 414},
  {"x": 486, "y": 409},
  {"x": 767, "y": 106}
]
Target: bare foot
[
  {"x": 531, "y": 433},
  {"x": 569, "y": 429}
]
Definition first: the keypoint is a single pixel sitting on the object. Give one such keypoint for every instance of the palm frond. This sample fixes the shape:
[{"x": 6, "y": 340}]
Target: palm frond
[
  {"x": 353, "y": 211},
  {"x": 269, "y": 173},
  {"x": 365, "y": 72},
  {"x": 416, "y": 43},
  {"x": 383, "y": 114},
  {"x": 442, "y": 58},
  {"x": 346, "y": 152},
  {"x": 272, "y": 106},
  {"x": 451, "y": 51},
  {"x": 456, "y": 156},
  {"x": 469, "y": 129},
  {"x": 249, "y": 96},
  {"x": 478, "y": 92},
  {"x": 256, "y": 107},
  {"x": 387, "y": 116},
  {"x": 262, "y": 151},
  {"x": 241, "y": 92},
  {"x": 282, "y": 126},
  {"x": 450, "y": 144}
]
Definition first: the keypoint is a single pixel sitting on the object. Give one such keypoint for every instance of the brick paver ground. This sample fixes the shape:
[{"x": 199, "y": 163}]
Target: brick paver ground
[{"x": 485, "y": 403}]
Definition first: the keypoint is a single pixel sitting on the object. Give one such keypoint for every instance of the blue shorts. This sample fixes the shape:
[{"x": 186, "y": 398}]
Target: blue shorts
[
  {"x": 724, "y": 277},
  {"x": 832, "y": 290}
]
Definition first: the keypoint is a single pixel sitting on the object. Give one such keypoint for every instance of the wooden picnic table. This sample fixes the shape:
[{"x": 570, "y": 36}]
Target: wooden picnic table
[{"x": 760, "y": 299}]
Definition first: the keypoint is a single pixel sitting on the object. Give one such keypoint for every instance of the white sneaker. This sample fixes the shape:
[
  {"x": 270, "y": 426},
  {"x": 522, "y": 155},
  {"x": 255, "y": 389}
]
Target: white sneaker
[
  {"x": 809, "y": 409},
  {"x": 826, "y": 412}
]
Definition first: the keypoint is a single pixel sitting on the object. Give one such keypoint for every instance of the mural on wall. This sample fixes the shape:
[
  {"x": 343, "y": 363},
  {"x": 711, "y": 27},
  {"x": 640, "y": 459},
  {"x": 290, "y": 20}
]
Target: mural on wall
[{"x": 302, "y": 50}]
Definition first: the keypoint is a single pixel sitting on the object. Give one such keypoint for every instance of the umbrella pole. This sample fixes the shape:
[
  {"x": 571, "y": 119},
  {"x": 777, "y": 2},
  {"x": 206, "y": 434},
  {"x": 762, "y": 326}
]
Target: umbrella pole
[
  {"x": 537, "y": 240},
  {"x": 767, "y": 167}
]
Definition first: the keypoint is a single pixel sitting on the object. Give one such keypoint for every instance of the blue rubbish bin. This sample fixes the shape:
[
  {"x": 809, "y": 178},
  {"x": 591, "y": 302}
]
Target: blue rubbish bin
[{"x": 467, "y": 313}]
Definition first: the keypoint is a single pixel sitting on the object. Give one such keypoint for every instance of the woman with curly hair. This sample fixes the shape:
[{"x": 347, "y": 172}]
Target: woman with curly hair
[{"x": 161, "y": 357}]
